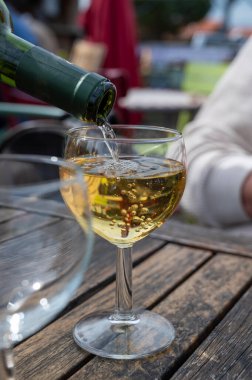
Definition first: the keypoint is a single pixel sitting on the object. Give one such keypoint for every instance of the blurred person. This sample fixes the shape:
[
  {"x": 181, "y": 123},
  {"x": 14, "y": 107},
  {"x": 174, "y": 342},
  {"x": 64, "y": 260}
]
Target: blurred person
[
  {"x": 113, "y": 24},
  {"x": 219, "y": 148},
  {"x": 37, "y": 31},
  {"x": 21, "y": 26},
  {"x": 50, "y": 8},
  {"x": 30, "y": 29},
  {"x": 83, "y": 4},
  {"x": 233, "y": 17},
  {"x": 63, "y": 11},
  {"x": 45, "y": 35},
  {"x": 22, "y": 29}
]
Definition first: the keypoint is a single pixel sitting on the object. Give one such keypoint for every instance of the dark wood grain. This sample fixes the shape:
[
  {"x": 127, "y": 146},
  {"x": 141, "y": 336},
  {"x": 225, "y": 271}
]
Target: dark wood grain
[
  {"x": 204, "y": 237},
  {"x": 7, "y": 214},
  {"x": 227, "y": 352},
  {"x": 52, "y": 352},
  {"x": 190, "y": 283},
  {"x": 102, "y": 265},
  {"x": 23, "y": 224},
  {"x": 35, "y": 205},
  {"x": 193, "y": 308}
]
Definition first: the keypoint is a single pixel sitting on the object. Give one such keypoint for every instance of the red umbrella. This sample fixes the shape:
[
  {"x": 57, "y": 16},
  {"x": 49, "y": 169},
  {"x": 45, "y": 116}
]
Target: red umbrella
[{"x": 113, "y": 23}]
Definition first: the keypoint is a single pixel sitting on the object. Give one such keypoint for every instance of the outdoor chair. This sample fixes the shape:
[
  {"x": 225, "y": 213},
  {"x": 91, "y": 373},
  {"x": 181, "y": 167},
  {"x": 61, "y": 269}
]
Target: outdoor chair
[
  {"x": 43, "y": 137},
  {"x": 199, "y": 79}
]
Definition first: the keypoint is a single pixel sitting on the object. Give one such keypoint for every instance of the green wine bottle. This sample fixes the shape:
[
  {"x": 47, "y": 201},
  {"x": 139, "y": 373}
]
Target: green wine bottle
[{"x": 86, "y": 95}]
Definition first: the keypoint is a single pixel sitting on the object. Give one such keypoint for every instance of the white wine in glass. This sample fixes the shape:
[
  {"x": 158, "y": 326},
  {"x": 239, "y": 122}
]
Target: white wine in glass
[{"x": 130, "y": 196}]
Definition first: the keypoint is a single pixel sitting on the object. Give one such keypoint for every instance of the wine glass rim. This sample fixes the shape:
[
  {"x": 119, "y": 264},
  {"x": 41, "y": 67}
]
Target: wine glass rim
[{"x": 176, "y": 135}]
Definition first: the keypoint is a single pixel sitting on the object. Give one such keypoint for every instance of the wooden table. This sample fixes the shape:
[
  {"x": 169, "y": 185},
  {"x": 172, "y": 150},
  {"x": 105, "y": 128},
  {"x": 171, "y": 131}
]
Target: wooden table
[
  {"x": 161, "y": 106},
  {"x": 200, "y": 279}
]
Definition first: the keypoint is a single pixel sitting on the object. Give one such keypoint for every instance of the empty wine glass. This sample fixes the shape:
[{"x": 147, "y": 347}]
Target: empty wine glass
[
  {"x": 134, "y": 185},
  {"x": 44, "y": 249}
]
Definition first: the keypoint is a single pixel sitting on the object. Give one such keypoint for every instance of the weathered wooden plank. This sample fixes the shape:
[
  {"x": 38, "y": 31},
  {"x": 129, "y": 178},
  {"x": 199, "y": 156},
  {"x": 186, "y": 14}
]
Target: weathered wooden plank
[
  {"x": 24, "y": 223},
  {"x": 52, "y": 352},
  {"x": 193, "y": 308},
  {"x": 102, "y": 265},
  {"x": 227, "y": 352},
  {"x": 7, "y": 214},
  {"x": 43, "y": 206},
  {"x": 203, "y": 237}
]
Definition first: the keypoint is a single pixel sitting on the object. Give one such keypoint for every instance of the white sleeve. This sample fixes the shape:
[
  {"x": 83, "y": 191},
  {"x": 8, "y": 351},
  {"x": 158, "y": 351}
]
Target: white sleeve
[{"x": 219, "y": 147}]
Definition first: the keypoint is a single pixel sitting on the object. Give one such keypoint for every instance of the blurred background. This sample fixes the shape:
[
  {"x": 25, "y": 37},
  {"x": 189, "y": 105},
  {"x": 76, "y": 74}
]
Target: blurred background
[{"x": 164, "y": 56}]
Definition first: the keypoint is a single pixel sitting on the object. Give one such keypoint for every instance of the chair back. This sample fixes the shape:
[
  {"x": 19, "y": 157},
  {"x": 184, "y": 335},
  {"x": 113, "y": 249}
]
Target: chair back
[
  {"x": 42, "y": 137},
  {"x": 200, "y": 78}
]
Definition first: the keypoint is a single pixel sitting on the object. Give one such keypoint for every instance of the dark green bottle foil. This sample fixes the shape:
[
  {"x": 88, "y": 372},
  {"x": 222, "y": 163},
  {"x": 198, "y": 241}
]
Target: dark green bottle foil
[{"x": 54, "y": 80}]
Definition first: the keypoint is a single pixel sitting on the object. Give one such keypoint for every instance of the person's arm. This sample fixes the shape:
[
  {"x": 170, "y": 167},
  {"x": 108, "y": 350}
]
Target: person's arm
[
  {"x": 219, "y": 149},
  {"x": 212, "y": 22},
  {"x": 204, "y": 26},
  {"x": 241, "y": 31}
]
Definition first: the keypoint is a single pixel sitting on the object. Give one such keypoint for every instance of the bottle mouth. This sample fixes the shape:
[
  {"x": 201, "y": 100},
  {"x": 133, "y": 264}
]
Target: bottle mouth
[
  {"x": 101, "y": 106},
  {"x": 106, "y": 104}
]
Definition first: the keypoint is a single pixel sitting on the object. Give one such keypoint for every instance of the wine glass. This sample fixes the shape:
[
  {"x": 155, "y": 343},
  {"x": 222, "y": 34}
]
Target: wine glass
[
  {"x": 44, "y": 249},
  {"x": 134, "y": 185}
]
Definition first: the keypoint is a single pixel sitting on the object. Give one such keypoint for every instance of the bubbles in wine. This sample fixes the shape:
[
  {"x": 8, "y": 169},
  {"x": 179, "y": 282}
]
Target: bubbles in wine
[{"x": 122, "y": 167}]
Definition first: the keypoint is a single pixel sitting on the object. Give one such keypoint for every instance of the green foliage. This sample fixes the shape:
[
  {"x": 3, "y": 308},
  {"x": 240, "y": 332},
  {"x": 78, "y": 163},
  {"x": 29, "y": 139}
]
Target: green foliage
[{"x": 156, "y": 17}]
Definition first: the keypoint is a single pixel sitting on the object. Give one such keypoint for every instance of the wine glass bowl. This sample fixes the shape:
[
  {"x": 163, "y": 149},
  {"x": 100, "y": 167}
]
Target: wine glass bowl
[
  {"x": 127, "y": 206},
  {"x": 45, "y": 250},
  {"x": 134, "y": 185}
]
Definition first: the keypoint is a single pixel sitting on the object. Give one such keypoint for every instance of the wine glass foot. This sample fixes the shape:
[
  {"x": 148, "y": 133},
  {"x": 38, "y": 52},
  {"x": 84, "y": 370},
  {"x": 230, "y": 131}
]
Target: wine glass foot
[{"x": 98, "y": 334}]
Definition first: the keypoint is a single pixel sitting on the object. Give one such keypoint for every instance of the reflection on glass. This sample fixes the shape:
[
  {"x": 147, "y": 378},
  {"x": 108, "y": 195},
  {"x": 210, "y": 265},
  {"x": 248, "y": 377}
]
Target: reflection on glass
[{"x": 44, "y": 250}]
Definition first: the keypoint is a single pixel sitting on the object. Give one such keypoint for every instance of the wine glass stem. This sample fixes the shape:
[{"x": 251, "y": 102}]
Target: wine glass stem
[
  {"x": 124, "y": 299},
  {"x": 6, "y": 364}
]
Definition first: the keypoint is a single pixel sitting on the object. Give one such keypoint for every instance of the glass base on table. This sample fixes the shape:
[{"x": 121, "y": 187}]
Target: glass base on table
[{"x": 104, "y": 334}]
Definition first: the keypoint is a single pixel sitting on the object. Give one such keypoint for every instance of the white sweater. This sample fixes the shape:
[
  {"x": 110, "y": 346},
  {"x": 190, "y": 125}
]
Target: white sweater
[{"x": 219, "y": 147}]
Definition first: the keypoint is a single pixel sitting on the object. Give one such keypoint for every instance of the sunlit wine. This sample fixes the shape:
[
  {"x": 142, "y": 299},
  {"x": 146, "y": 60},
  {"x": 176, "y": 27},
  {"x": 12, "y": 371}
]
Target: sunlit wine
[
  {"x": 129, "y": 199},
  {"x": 135, "y": 177}
]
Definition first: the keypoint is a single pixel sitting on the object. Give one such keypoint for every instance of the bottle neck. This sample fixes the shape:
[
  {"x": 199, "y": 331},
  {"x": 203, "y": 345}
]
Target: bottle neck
[
  {"x": 12, "y": 48},
  {"x": 86, "y": 95}
]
